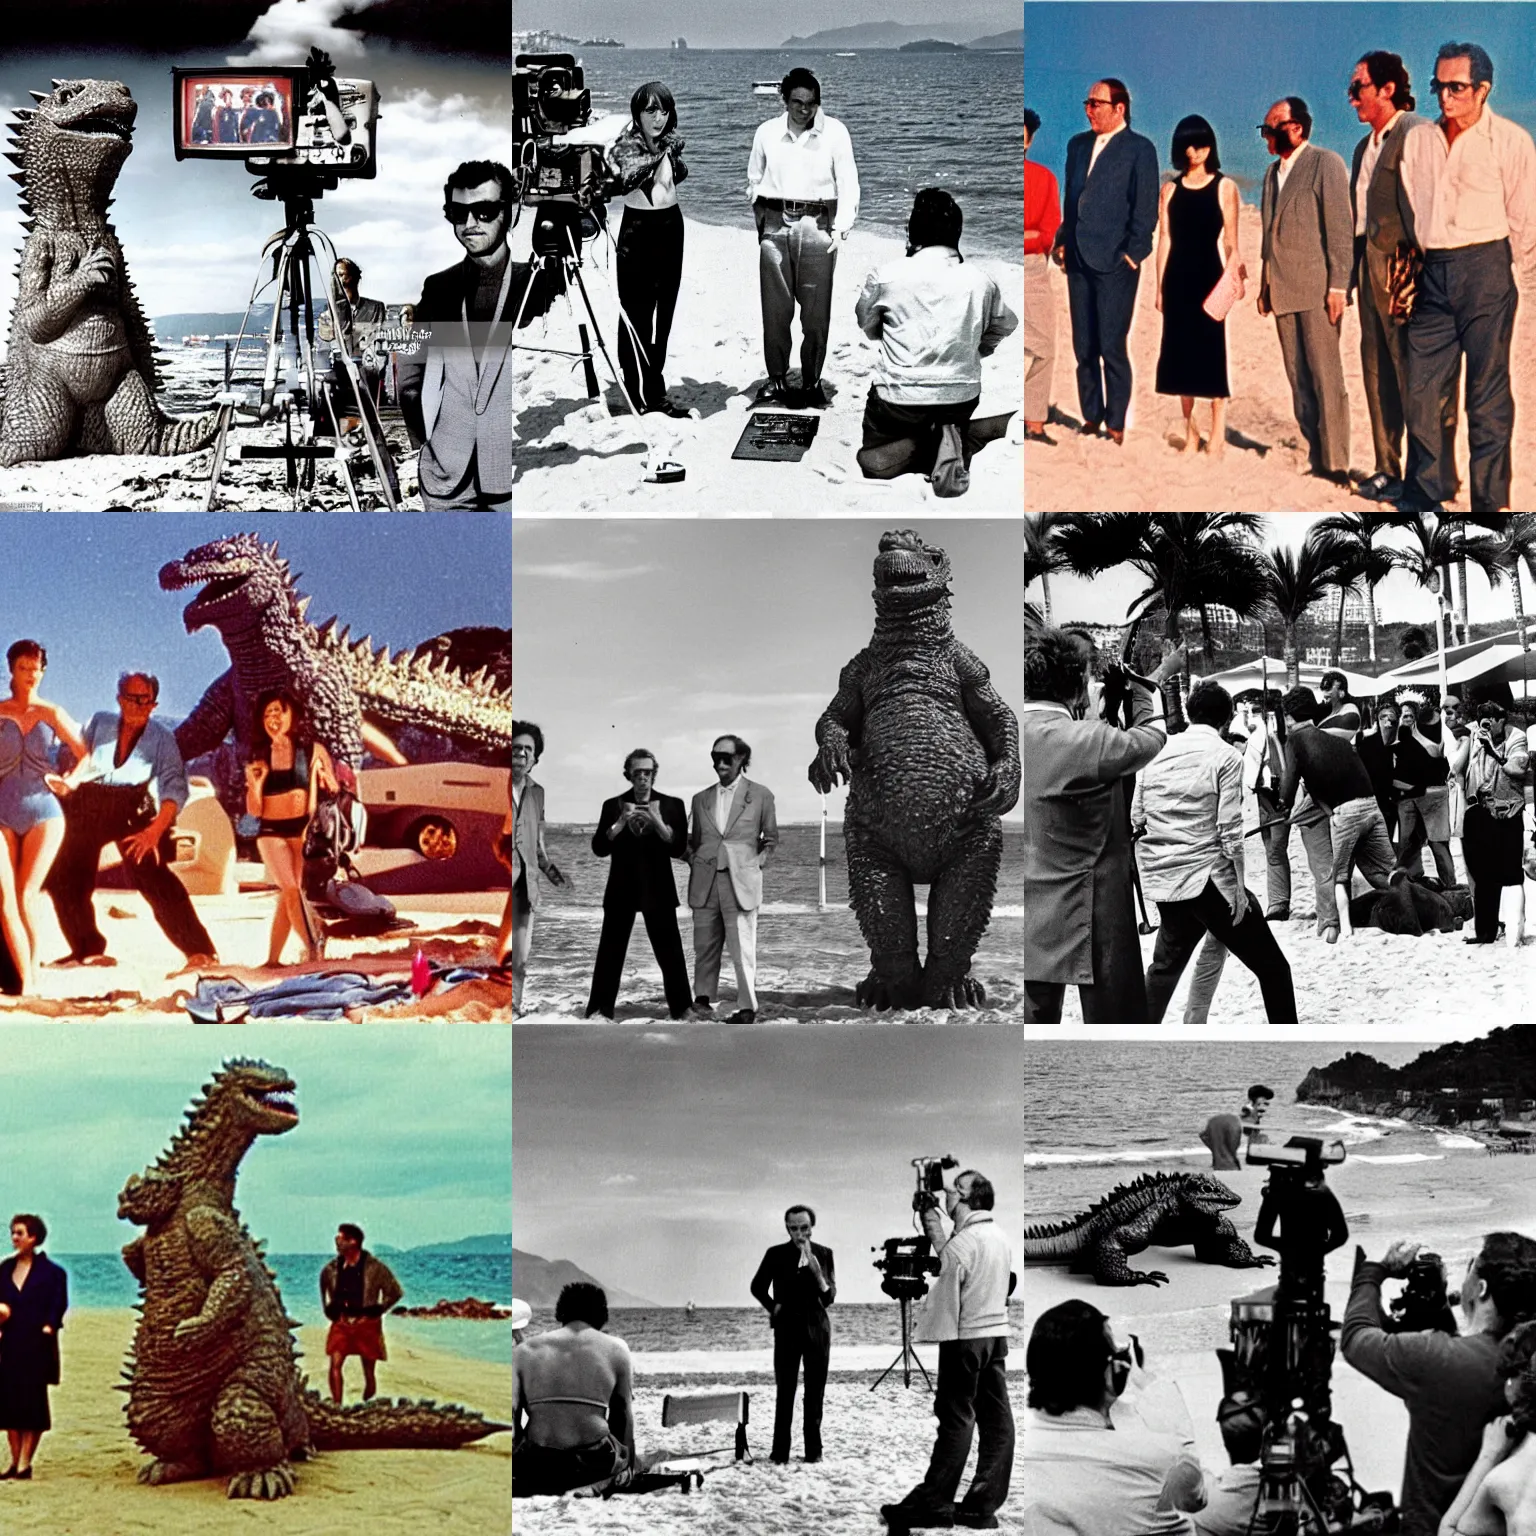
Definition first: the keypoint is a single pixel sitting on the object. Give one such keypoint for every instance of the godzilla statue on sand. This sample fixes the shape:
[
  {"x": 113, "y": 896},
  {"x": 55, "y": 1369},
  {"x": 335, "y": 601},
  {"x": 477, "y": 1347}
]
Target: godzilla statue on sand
[
  {"x": 213, "y": 1384},
  {"x": 931, "y": 755}
]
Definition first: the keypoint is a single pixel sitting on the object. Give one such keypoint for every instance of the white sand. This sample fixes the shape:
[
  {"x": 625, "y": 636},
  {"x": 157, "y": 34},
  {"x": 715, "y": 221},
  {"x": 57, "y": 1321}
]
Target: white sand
[
  {"x": 583, "y": 457},
  {"x": 1264, "y": 469}
]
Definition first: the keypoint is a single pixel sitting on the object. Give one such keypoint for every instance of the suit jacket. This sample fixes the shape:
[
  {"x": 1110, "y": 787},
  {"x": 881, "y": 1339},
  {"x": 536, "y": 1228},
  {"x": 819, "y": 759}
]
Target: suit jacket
[
  {"x": 31, "y": 1354},
  {"x": 528, "y": 855},
  {"x": 781, "y": 1281},
  {"x": 1077, "y": 842},
  {"x": 640, "y": 871},
  {"x": 1388, "y": 213},
  {"x": 450, "y": 404},
  {"x": 1113, "y": 212},
  {"x": 753, "y": 829},
  {"x": 1309, "y": 234}
]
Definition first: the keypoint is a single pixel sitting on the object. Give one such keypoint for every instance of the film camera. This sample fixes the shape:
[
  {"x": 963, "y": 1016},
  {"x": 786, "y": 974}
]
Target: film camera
[
  {"x": 554, "y": 161},
  {"x": 909, "y": 1260},
  {"x": 1277, "y": 1374},
  {"x": 1423, "y": 1305}
]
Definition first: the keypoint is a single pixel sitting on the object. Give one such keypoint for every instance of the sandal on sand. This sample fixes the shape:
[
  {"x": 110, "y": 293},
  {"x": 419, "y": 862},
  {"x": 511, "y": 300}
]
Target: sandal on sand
[{"x": 662, "y": 472}]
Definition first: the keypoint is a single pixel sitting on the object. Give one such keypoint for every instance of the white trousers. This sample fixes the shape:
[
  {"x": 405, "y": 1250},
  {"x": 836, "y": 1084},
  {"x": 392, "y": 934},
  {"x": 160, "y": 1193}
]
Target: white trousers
[{"x": 720, "y": 924}]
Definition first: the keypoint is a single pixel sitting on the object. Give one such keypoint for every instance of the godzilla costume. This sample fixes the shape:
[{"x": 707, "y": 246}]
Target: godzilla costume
[
  {"x": 212, "y": 1381},
  {"x": 1168, "y": 1209},
  {"x": 931, "y": 755},
  {"x": 248, "y": 595},
  {"x": 80, "y": 375}
]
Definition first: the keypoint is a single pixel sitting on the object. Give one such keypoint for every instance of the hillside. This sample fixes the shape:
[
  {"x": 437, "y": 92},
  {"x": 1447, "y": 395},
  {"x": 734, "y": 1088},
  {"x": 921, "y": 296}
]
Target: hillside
[
  {"x": 486, "y": 1242},
  {"x": 1007, "y": 42},
  {"x": 881, "y": 34},
  {"x": 538, "y": 1281}
]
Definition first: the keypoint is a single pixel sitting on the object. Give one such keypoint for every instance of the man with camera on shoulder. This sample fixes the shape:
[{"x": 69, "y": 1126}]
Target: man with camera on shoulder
[
  {"x": 966, "y": 1314},
  {"x": 1450, "y": 1382}
]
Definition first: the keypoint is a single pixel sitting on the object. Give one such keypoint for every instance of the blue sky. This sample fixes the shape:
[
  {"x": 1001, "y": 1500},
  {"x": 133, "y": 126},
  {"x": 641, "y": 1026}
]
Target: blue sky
[
  {"x": 403, "y": 1130},
  {"x": 667, "y": 634},
  {"x": 86, "y": 586},
  {"x": 678, "y": 1195}
]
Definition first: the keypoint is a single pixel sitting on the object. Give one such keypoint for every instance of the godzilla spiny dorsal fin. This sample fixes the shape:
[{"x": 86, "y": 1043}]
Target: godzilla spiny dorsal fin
[
  {"x": 38, "y": 95},
  {"x": 56, "y": 83},
  {"x": 19, "y": 176},
  {"x": 29, "y": 225},
  {"x": 25, "y": 113},
  {"x": 15, "y": 159},
  {"x": 304, "y": 603}
]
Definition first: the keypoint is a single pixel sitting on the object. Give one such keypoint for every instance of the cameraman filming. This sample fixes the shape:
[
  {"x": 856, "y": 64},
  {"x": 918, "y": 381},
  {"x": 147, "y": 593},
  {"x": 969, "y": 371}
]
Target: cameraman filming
[
  {"x": 1493, "y": 830},
  {"x": 966, "y": 1314},
  {"x": 1450, "y": 1383}
]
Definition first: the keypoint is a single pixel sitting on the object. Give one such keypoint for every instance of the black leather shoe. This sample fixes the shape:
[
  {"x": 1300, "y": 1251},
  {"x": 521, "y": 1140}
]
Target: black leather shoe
[
  {"x": 779, "y": 1461},
  {"x": 811, "y": 1460},
  {"x": 975, "y": 1520},
  {"x": 1473, "y": 939},
  {"x": 813, "y": 398},
  {"x": 913, "y": 1517},
  {"x": 1088, "y": 429},
  {"x": 743, "y": 1016},
  {"x": 1278, "y": 915},
  {"x": 704, "y": 1005},
  {"x": 1380, "y": 487},
  {"x": 774, "y": 392},
  {"x": 1032, "y": 436}
]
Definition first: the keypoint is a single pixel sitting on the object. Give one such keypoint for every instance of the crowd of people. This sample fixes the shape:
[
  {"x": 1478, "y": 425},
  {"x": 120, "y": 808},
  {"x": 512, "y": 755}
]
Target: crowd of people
[
  {"x": 573, "y": 1386},
  {"x": 934, "y": 317},
  {"x": 1423, "y": 231},
  {"x": 260, "y": 117},
  {"x": 1115, "y": 807},
  {"x": 1108, "y": 1446}
]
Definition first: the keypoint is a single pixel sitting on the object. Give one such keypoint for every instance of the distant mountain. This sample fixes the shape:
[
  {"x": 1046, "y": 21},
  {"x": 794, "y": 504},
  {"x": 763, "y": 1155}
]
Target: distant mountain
[
  {"x": 208, "y": 323},
  {"x": 931, "y": 45},
  {"x": 1007, "y": 41},
  {"x": 882, "y": 34},
  {"x": 488, "y": 1242},
  {"x": 538, "y": 1281}
]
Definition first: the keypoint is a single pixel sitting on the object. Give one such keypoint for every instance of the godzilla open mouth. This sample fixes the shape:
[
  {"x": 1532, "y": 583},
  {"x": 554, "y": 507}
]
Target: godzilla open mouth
[
  {"x": 221, "y": 587},
  {"x": 103, "y": 126},
  {"x": 279, "y": 1099}
]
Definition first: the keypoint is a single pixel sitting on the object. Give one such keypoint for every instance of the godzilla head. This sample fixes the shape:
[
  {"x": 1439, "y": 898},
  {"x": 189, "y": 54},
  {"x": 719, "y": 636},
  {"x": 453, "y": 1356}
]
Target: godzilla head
[
  {"x": 82, "y": 131},
  {"x": 255, "y": 1095},
  {"x": 909, "y": 574},
  {"x": 240, "y": 577},
  {"x": 1210, "y": 1195}
]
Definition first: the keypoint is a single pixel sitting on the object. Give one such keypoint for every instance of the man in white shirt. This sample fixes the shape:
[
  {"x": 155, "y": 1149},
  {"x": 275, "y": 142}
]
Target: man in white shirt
[
  {"x": 804, "y": 188},
  {"x": 935, "y": 319},
  {"x": 1471, "y": 180},
  {"x": 733, "y": 830}
]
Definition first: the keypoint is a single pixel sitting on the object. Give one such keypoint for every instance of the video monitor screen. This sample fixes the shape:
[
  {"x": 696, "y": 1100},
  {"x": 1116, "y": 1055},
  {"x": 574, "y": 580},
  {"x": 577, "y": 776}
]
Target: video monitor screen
[{"x": 234, "y": 112}]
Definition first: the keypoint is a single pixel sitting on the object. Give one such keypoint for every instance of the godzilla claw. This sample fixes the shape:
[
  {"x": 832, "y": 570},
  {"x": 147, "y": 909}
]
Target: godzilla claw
[
  {"x": 264, "y": 1483},
  {"x": 1151, "y": 1277},
  {"x": 157, "y": 1473},
  {"x": 957, "y": 995},
  {"x": 880, "y": 993},
  {"x": 829, "y": 767}
]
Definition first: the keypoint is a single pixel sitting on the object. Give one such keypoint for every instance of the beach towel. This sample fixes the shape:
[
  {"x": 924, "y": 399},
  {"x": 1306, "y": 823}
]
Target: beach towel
[{"x": 314, "y": 995}]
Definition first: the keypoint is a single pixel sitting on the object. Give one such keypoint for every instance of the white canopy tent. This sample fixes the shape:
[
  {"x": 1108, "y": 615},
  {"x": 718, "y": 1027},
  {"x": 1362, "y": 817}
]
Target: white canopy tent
[{"x": 1250, "y": 675}]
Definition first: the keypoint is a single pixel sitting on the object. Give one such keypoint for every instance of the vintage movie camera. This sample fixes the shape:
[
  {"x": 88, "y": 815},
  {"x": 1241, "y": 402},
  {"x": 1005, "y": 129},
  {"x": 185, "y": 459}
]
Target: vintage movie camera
[
  {"x": 263, "y": 116},
  {"x": 1423, "y": 1305},
  {"x": 554, "y": 161},
  {"x": 1278, "y": 1404},
  {"x": 905, "y": 1267},
  {"x": 930, "y": 1181}
]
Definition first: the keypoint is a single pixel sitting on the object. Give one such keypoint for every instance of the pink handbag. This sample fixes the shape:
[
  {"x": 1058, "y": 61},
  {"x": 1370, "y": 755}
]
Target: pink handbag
[{"x": 1227, "y": 292}]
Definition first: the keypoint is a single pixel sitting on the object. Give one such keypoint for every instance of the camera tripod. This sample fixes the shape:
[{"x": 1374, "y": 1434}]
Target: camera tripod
[
  {"x": 907, "y": 1358},
  {"x": 290, "y": 253}
]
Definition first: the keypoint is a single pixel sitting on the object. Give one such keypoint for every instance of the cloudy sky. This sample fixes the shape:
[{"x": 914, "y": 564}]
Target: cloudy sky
[
  {"x": 192, "y": 233},
  {"x": 667, "y": 634},
  {"x": 1398, "y": 599},
  {"x": 407, "y": 1129},
  {"x": 402, "y": 580},
  {"x": 677, "y": 1193}
]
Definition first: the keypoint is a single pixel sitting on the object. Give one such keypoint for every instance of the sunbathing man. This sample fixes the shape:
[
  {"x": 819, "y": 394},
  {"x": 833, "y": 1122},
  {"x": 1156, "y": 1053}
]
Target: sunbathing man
[{"x": 572, "y": 1415}]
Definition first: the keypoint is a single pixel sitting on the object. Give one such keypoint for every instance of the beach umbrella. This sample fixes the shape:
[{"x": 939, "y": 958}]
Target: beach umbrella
[{"x": 1253, "y": 674}]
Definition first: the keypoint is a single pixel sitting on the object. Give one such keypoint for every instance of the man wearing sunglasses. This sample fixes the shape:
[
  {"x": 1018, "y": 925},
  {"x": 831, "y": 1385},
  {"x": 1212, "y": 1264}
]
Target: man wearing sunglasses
[
  {"x": 1309, "y": 248},
  {"x": 734, "y": 829},
  {"x": 1471, "y": 180},
  {"x": 456, "y": 393}
]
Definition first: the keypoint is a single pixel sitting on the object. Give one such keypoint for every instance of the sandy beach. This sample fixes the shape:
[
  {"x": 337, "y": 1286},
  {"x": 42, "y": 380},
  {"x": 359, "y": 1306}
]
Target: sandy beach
[
  {"x": 86, "y": 1482},
  {"x": 450, "y": 929},
  {"x": 876, "y": 1448},
  {"x": 1264, "y": 468},
  {"x": 1447, "y": 1202},
  {"x": 582, "y": 457}
]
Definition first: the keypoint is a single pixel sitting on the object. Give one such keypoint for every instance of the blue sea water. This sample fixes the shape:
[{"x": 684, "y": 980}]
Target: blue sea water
[
  {"x": 1230, "y": 62},
  {"x": 101, "y": 1280},
  {"x": 916, "y": 120}
]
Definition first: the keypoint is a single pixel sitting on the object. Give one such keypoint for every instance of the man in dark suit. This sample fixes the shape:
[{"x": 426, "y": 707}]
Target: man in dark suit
[
  {"x": 796, "y": 1284},
  {"x": 1108, "y": 217},
  {"x": 640, "y": 833}
]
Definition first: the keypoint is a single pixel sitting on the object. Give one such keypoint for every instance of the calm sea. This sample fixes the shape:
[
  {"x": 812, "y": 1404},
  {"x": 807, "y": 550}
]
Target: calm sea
[
  {"x": 916, "y": 120},
  {"x": 1230, "y": 62},
  {"x": 101, "y": 1280},
  {"x": 790, "y": 882}
]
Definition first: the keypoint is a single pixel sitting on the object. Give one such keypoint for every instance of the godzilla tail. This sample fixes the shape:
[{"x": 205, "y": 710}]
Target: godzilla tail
[
  {"x": 183, "y": 434},
  {"x": 400, "y": 1425}
]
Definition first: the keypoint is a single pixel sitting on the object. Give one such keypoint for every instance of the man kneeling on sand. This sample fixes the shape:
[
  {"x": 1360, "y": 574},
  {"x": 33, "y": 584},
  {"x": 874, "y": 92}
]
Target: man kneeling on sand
[
  {"x": 935, "y": 319},
  {"x": 572, "y": 1410}
]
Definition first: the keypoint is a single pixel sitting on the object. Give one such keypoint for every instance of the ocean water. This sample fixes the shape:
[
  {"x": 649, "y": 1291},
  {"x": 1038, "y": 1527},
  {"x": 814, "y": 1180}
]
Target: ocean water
[
  {"x": 1230, "y": 62},
  {"x": 790, "y": 881},
  {"x": 916, "y": 120},
  {"x": 102, "y": 1280}
]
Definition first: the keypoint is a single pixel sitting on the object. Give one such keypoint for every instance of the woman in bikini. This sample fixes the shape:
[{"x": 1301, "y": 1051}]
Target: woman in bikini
[
  {"x": 31, "y": 818},
  {"x": 283, "y": 780}
]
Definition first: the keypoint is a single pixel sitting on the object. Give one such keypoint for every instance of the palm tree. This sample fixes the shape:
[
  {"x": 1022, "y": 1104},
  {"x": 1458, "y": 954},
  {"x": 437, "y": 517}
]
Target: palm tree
[
  {"x": 1298, "y": 579},
  {"x": 1440, "y": 545},
  {"x": 1494, "y": 521},
  {"x": 1041, "y": 556},
  {"x": 1518, "y": 543},
  {"x": 1373, "y": 564}
]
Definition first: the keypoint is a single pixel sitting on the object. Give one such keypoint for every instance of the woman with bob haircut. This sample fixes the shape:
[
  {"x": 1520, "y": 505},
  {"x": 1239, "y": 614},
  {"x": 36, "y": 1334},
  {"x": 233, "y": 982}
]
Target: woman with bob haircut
[
  {"x": 1197, "y": 240},
  {"x": 647, "y": 158},
  {"x": 34, "y": 1296}
]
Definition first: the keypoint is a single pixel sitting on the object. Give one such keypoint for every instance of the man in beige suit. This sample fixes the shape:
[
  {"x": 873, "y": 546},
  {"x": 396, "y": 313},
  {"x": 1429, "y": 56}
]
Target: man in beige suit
[
  {"x": 1308, "y": 253},
  {"x": 733, "y": 829}
]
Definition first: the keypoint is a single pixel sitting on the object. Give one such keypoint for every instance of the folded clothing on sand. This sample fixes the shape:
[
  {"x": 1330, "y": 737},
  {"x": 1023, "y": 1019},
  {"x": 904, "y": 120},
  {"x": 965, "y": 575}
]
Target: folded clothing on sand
[{"x": 316, "y": 994}]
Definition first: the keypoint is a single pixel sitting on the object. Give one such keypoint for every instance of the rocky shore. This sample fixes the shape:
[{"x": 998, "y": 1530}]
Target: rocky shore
[{"x": 471, "y": 1308}]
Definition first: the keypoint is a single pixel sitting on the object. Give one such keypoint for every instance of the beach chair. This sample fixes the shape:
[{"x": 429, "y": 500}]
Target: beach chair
[{"x": 708, "y": 1408}]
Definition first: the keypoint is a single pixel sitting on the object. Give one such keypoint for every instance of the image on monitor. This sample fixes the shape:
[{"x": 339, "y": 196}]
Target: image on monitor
[{"x": 237, "y": 113}]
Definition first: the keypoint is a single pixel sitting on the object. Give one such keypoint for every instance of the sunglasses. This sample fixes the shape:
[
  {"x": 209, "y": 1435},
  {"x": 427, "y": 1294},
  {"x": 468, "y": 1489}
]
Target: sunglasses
[
  {"x": 1456, "y": 88},
  {"x": 1272, "y": 131},
  {"x": 722, "y": 757},
  {"x": 1098, "y": 101},
  {"x": 458, "y": 213},
  {"x": 141, "y": 699},
  {"x": 1355, "y": 90}
]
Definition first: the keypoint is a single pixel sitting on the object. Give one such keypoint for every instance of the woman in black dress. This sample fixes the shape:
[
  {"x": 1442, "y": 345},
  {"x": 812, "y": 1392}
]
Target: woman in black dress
[
  {"x": 34, "y": 1295},
  {"x": 1196, "y": 241}
]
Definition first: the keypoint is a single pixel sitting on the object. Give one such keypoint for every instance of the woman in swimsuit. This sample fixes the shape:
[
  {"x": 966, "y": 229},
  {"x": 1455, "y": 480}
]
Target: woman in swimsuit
[
  {"x": 31, "y": 818},
  {"x": 1499, "y": 1496},
  {"x": 283, "y": 780}
]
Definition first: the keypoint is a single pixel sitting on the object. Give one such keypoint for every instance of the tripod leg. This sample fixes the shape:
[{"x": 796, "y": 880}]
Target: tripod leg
[
  {"x": 572, "y": 264},
  {"x": 342, "y": 463},
  {"x": 221, "y": 443},
  {"x": 587, "y": 369}
]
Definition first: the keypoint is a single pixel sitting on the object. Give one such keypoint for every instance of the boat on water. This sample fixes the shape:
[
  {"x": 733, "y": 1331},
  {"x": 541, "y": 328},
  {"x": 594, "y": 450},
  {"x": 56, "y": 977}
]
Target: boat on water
[
  {"x": 845, "y": 55},
  {"x": 765, "y": 87},
  {"x": 195, "y": 341}
]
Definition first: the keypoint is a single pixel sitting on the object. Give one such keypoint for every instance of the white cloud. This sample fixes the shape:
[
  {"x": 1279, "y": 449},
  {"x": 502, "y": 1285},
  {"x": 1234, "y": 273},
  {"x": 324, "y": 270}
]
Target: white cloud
[
  {"x": 291, "y": 27},
  {"x": 584, "y": 570}
]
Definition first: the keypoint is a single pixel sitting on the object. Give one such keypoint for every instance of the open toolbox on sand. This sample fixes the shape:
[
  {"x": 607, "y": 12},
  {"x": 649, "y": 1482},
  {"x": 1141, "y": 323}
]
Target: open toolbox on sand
[{"x": 776, "y": 435}]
